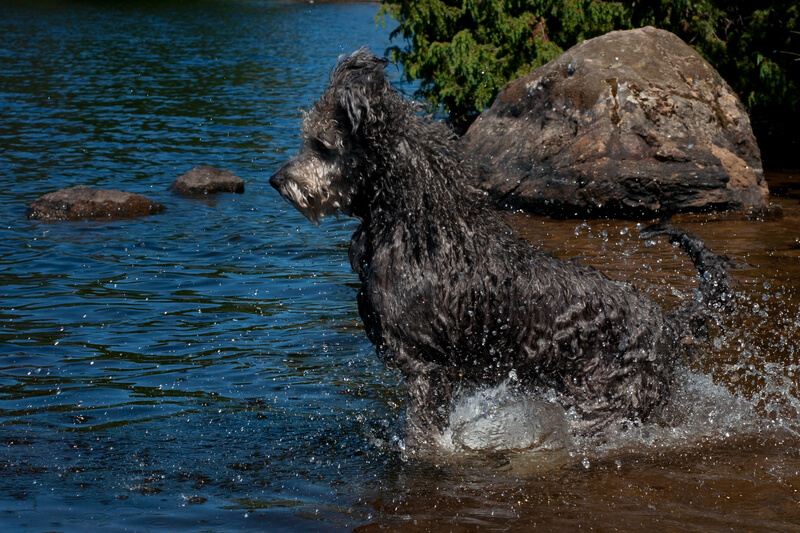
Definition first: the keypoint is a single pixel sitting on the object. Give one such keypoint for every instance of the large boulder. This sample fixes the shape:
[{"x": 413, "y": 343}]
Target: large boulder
[
  {"x": 207, "y": 180},
  {"x": 84, "y": 203},
  {"x": 630, "y": 124}
]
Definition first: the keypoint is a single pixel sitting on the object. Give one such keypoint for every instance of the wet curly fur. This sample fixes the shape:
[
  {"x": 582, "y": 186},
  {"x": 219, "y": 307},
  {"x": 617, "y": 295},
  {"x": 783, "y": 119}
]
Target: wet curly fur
[{"x": 450, "y": 295}]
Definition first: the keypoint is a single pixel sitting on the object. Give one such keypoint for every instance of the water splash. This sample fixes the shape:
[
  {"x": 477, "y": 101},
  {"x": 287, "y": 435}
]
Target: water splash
[
  {"x": 699, "y": 410},
  {"x": 504, "y": 418}
]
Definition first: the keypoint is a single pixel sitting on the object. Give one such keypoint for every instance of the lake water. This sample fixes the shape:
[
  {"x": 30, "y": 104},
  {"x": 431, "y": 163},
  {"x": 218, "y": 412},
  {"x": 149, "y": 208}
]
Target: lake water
[{"x": 205, "y": 369}]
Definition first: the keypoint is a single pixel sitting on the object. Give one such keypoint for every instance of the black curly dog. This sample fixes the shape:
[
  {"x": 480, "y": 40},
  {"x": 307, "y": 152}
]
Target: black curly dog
[{"x": 450, "y": 295}]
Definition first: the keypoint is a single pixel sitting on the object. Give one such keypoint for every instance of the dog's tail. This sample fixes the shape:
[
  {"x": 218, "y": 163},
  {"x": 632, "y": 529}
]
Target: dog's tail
[
  {"x": 716, "y": 285},
  {"x": 716, "y": 290}
]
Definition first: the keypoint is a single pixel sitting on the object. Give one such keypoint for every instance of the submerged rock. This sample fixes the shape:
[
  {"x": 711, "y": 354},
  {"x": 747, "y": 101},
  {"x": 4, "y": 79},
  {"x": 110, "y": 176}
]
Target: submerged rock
[
  {"x": 85, "y": 203},
  {"x": 630, "y": 124},
  {"x": 207, "y": 180}
]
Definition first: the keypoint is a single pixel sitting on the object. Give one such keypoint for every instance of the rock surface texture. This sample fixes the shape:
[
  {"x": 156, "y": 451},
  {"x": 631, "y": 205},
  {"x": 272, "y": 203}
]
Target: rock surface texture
[
  {"x": 85, "y": 203},
  {"x": 207, "y": 180},
  {"x": 630, "y": 124}
]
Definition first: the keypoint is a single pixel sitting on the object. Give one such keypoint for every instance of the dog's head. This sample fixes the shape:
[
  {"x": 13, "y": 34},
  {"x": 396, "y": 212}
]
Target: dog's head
[{"x": 328, "y": 172}]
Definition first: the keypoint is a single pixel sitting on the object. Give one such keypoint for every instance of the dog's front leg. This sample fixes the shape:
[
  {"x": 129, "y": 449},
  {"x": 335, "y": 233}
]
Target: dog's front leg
[{"x": 429, "y": 398}]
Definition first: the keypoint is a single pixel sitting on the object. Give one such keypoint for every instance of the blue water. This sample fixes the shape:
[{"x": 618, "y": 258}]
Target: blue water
[
  {"x": 155, "y": 371},
  {"x": 204, "y": 369}
]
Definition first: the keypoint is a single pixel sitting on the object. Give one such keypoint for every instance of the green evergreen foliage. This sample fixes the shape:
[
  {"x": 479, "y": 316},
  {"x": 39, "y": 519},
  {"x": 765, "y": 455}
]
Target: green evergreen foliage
[{"x": 464, "y": 51}]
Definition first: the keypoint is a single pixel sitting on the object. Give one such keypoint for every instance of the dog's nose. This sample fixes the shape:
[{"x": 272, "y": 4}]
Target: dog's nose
[{"x": 276, "y": 179}]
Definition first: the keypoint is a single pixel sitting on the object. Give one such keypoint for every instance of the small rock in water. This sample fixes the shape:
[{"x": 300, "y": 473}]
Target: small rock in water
[
  {"x": 207, "y": 180},
  {"x": 85, "y": 203}
]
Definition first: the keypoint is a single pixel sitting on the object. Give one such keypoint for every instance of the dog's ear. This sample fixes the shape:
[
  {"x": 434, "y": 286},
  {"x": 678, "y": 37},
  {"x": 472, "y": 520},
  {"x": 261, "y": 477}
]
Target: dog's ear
[
  {"x": 355, "y": 101},
  {"x": 361, "y": 81}
]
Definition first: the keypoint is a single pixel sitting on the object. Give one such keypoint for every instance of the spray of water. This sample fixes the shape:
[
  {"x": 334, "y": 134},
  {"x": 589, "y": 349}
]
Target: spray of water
[{"x": 504, "y": 418}]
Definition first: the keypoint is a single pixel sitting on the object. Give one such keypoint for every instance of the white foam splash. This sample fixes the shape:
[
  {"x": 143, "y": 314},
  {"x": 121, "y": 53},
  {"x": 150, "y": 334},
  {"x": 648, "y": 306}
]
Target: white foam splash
[
  {"x": 505, "y": 418},
  {"x": 502, "y": 418}
]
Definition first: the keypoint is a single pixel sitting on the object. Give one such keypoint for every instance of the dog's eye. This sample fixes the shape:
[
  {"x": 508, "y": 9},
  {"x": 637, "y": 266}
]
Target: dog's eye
[{"x": 321, "y": 147}]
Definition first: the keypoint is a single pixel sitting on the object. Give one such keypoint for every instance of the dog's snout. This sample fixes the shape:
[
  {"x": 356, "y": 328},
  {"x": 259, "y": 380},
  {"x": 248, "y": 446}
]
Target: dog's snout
[{"x": 277, "y": 179}]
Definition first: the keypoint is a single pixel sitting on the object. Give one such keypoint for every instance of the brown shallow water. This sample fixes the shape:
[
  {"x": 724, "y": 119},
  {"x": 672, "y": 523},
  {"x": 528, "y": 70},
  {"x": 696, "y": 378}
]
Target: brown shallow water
[{"x": 730, "y": 462}]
